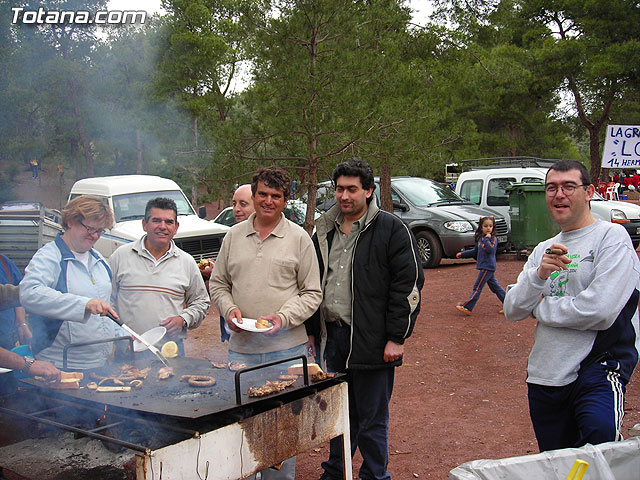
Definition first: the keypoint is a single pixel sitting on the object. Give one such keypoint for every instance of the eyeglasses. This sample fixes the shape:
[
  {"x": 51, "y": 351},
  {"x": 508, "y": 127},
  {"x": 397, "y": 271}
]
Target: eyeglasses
[
  {"x": 568, "y": 188},
  {"x": 93, "y": 231}
]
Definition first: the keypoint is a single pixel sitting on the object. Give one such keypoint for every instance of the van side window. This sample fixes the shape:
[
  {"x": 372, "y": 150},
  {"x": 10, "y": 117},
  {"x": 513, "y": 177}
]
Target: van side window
[
  {"x": 497, "y": 191},
  {"x": 472, "y": 190},
  {"x": 532, "y": 180}
]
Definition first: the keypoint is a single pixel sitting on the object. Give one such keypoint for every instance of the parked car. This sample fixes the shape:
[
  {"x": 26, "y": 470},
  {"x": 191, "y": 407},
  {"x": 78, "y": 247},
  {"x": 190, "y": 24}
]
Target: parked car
[
  {"x": 295, "y": 210},
  {"x": 225, "y": 217},
  {"x": 487, "y": 188},
  {"x": 127, "y": 195},
  {"x": 442, "y": 222}
]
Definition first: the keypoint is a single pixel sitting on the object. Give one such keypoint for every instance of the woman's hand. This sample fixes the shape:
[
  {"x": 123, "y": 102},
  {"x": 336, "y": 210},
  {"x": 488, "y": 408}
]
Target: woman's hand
[{"x": 97, "y": 306}]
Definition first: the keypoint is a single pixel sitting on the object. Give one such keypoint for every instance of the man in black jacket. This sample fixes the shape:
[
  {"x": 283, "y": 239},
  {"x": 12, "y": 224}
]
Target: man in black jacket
[{"x": 371, "y": 281}]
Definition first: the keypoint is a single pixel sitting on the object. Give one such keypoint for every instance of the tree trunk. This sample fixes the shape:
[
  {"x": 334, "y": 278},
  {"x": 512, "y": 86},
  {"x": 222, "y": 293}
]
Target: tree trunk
[
  {"x": 195, "y": 134},
  {"x": 593, "y": 127},
  {"x": 312, "y": 187},
  {"x": 86, "y": 145},
  {"x": 118, "y": 161},
  {"x": 386, "y": 203},
  {"x": 77, "y": 166},
  {"x": 139, "y": 168},
  {"x": 594, "y": 154}
]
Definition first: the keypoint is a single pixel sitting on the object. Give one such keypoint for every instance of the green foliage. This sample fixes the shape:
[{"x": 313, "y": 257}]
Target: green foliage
[{"x": 330, "y": 79}]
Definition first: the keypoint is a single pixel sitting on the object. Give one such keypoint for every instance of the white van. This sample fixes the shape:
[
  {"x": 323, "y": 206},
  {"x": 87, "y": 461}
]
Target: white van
[
  {"x": 486, "y": 187},
  {"x": 127, "y": 195}
]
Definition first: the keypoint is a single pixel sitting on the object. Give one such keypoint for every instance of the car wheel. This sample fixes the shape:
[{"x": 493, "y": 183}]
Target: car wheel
[{"x": 429, "y": 248}]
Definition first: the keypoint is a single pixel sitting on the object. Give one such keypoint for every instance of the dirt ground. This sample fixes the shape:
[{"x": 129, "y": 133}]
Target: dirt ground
[{"x": 461, "y": 393}]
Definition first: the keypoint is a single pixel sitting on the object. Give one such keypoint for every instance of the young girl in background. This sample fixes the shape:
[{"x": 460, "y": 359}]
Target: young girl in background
[{"x": 485, "y": 253}]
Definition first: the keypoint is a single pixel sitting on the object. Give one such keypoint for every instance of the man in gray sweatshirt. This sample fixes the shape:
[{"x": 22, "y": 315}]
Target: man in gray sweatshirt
[{"x": 582, "y": 287}]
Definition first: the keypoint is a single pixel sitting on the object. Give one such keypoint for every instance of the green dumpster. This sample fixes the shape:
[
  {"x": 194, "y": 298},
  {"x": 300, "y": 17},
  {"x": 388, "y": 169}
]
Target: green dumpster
[{"x": 530, "y": 221}]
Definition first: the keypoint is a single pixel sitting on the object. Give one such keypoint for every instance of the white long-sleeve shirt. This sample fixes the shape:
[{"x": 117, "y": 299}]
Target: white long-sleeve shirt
[{"x": 146, "y": 291}]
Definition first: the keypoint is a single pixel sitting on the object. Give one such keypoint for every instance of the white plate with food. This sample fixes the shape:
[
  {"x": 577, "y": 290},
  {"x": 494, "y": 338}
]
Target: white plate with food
[
  {"x": 252, "y": 325},
  {"x": 152, "y": 336}
]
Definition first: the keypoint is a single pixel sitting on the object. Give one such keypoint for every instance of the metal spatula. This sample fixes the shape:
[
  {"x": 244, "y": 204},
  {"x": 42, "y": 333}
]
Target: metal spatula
[{"x": 151, "y": 348}]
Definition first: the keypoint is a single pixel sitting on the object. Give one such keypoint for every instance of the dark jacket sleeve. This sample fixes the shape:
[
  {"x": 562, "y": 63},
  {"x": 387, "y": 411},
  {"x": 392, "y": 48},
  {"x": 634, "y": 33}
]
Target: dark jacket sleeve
[
  {"x": 312, "y": 324},
  {"x": 406, "y": 281}
]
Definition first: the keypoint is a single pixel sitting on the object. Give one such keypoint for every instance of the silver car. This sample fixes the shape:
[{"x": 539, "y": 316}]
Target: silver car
[
  {"x": 442, "y": 222},
  {"x": 294, "y": 210}
]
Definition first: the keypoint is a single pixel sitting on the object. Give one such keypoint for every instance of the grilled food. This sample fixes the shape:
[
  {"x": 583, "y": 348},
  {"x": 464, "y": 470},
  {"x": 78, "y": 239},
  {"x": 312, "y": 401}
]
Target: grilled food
[
  {"x": 198, "y": 380},
  {"x": 68, "y": 380},
  {"x": 269, "y": 388},
  {"x": 320, "y": 376},
  {"x": 165, "y": 372},
  {"x": 132, "y": 373},
  {"x": 110, "y": 381},
  {"x": 236, "y": 366},
  {"x": 262, "y": 323}
]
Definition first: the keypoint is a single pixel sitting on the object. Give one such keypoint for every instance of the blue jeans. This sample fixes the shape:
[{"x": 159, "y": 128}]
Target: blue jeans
[
  {"x": 288, "y": 470},
  {"x": 369, "y": 396},
  {"x": 251, "y": 359},
  {"x": 484, "y": 277}
]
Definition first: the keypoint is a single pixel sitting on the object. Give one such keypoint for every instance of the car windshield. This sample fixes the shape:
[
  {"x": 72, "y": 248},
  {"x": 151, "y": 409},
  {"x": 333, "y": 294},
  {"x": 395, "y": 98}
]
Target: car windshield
[
  {"x": 131, "y": 206},
  {"x": 296, "y": 211},
  {"x": 423, "y": 192}
]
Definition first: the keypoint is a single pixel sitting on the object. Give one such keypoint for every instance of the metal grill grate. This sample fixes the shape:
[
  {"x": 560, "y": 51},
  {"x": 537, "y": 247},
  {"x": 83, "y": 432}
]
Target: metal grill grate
[
  {"x": 501, "y": 226},
  {"x": 201, "y": 247}
]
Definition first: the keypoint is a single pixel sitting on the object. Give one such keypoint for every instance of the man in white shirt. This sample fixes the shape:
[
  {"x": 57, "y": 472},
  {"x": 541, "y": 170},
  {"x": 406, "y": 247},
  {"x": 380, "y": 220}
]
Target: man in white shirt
[{"x": 155, "y": 282}]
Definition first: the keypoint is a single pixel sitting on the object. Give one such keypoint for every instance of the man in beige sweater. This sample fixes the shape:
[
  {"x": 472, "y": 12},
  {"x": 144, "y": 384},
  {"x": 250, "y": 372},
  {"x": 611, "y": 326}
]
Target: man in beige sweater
[{"x": 267, "y": 268}]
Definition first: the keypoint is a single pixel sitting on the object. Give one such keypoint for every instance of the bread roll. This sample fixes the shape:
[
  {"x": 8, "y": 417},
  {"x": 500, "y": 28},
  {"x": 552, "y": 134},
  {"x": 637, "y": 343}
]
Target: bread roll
[{"x": 296, "y": 369}]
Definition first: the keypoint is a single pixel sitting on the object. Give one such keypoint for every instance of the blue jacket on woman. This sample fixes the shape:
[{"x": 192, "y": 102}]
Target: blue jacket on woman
[{"x": 55, "y": 291}]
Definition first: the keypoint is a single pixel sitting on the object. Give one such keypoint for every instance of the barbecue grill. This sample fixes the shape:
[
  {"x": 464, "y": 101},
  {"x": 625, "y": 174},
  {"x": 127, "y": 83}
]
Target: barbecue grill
[{"x": 175, "y": 430}]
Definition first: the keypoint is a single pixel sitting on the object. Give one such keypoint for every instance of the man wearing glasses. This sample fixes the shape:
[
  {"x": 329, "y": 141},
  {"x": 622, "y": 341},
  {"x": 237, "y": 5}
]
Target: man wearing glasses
[
  {"x": 582, "y": 288},
  {"x": 155, "y": 282}
]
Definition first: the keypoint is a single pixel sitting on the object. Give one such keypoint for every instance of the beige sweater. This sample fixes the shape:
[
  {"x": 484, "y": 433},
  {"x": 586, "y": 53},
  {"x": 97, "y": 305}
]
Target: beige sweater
[{"x": 277, "y": 275}]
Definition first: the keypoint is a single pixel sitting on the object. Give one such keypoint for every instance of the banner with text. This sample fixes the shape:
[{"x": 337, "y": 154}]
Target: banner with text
[{"x": 622, "y": 147}]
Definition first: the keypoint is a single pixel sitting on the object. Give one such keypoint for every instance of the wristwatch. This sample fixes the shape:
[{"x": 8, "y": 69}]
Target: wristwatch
[{"x": 28, "y": 361}]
